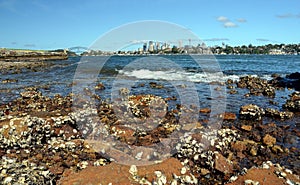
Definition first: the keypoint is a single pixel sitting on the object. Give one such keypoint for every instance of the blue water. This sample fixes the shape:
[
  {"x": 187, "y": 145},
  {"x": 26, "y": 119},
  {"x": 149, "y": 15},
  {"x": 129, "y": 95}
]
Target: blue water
[{"x": 171, "y": 71}]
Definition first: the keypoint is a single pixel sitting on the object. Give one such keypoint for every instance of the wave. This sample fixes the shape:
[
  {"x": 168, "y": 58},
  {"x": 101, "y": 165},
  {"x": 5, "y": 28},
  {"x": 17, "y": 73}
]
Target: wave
[{"x": 172, "y": 75}]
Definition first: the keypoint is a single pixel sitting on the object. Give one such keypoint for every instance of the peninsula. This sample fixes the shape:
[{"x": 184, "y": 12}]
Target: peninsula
[{"x": 12, "y": 55}]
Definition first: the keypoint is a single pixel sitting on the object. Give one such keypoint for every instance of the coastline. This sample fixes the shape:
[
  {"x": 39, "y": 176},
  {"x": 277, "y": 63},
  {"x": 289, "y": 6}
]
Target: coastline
[
  {"x": 242, "y": 150},
  {"x": 31, "y": 55}
]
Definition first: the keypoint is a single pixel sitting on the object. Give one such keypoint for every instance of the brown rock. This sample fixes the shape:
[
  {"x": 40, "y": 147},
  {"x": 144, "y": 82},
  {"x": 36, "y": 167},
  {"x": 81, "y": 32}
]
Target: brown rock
[
  {"x": 253, "y": 151},
  {"x": 119, "y": 174},
  {"x": 57, "y": 170},
  {"x": 56, "y": 158},
  {"x": 39, "y": 156},
  {"x": 269, "y": 140},
  {"x": 222, "y": 164},
  {"x": 229, "y": 116},
  {"x": 263, "y": 176},
  {"x": 239, "y": 146},
  {"x": 246, "y": 127},
  {"x": 204, "y": 171},
  {"x": 205, "y": 110}
]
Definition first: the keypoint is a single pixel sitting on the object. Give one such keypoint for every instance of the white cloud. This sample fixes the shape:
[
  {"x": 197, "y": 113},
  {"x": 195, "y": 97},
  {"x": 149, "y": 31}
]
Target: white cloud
[
  {"x": 222, "y": 19},
  {"x": 230, "y": 25},
  {"x": 216, "y": 39},
  {"x": 263, "y": 40},
  {"x": 30, "y": 45},
  {"x": 241, "y": 20},
  {"x": 266, "y": 40}
]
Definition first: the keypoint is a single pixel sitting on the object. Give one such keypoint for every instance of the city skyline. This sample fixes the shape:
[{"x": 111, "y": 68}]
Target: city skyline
[{"x": 49, "y": 25}]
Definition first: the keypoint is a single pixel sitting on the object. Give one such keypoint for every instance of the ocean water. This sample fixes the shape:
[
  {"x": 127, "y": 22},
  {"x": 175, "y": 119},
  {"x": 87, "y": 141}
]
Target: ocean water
[{"x": 179, "y": 75}]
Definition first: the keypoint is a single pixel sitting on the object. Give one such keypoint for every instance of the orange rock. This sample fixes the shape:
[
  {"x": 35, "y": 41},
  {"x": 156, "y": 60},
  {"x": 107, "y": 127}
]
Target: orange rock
[
  {"x": 269, "y": 140},
  {"x": 222, "y": 164},
  {"x": 119, "y": 174},
  {"x": 205, "y": 110},
  {"x": 263, "y": 176},
  {"x": 229, "y": 116},
  {"x": 246, "y": 127},
  {"x": 239, "y": 146}
]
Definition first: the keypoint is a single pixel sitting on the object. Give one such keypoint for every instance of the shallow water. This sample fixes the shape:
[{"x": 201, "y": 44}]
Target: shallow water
[{"x": 178, "y": 74}]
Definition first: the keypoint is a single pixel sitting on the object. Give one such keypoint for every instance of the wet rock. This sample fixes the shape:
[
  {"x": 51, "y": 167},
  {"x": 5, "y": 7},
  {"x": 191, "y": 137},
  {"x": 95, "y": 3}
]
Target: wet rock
[
  {"x": 246, "y": 127},
  {"x": 293, "y": 104},
  {"x": 229, "y": 81},
  {"x": 100, "y": 86},
  {"x": 30, "y": 94},
  {"x": 205, "y": 110},
  {"x": 269, "y": 140},
  {"x": 9, "y": 81},
  {"x": 156, "y": 85},
  {"x": 251, "y": 112},
  {"x": 233, "y": 91},
  {"x": 229, "y": 116},
  {"x": 257, "y": 86},
  {"x": 295, "y": 75},
  {"x": 277, "y": 114}
]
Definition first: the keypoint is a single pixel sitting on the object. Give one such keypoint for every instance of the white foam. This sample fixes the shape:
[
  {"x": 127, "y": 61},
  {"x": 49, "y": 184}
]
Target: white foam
[{"x": 172, "y": 75}]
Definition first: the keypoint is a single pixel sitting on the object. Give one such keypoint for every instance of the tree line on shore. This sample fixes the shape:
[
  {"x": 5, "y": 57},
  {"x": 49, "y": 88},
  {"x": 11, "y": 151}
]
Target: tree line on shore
[{"x": 269, "y": 49}]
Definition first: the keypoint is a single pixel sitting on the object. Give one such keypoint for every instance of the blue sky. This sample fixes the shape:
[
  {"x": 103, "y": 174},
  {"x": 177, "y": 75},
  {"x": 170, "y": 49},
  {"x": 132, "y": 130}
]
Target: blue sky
[{"x": 37, "y": 24}]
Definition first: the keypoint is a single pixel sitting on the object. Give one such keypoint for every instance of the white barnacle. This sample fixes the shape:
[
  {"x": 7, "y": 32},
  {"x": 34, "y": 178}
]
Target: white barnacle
[
  {"x": 133, "y": 170},
  {"x": 183, "y": 170}
]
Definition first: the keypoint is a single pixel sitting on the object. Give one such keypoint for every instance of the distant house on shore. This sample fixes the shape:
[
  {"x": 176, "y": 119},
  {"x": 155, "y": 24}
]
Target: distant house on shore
[{"x": 276, "y": 52}]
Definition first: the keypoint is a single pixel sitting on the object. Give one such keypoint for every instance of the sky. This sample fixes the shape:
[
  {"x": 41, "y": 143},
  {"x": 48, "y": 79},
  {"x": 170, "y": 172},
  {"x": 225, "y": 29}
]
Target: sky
[{"x": 52, "y": 24}]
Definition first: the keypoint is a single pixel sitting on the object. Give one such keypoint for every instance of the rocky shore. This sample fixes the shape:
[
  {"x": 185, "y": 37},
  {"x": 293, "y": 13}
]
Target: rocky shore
[
  {"x": 31, "y": 55},
  {"x": 46, "y": 140}
]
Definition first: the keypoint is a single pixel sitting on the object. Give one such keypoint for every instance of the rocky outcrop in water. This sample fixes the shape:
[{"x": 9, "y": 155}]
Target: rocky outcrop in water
[
  {"x": 251, "y": 112},
  {"x": 277, "y": 114},
  {"x": 256, "y": 85},
  {"x": 293, "y": 104},
  {"x": 289, "y": 81}
]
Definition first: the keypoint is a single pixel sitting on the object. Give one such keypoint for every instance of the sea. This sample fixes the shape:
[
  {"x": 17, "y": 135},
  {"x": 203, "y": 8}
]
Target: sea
[{"x": 189, "y": 78}]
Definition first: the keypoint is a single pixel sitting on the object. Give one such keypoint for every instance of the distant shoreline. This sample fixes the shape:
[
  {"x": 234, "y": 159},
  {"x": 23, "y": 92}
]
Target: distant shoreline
[{"x": 11, "y": 55}]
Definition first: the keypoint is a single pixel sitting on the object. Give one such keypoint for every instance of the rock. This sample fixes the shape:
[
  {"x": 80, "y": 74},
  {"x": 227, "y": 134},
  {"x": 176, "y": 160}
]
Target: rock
[
  {"x": 246, "y": 127},
  {"x": 204, "y": 171},
  {"x": 229, "y": 116},
  {"x": 253, "y": 151},
  {"x": 205, "y": 110},
  {"x": 156, "y": 85},
  {"x": 9, "y": 81},
  {"x": 277, "y": 114},
  {"x": 293, "y": 104},
  {"x": 222, "y": 164},
  {"x": 277, "y": 149},
  {"x": 229, "y": 81},
  {"x": 233, "y": 91},
  {"x": 100, "y": 86},
  {"x": 293, "y": 75},
  {"x": 264, "y": 176},
  {"x": 251, "y": 112},
  {"x": 269, "y": 140},
  {"x": 239, "y": 146},
  {"x": 119, "y": 174},
  {"x": 257, "y": 86},
  {"x": 30, "y": 94}
]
